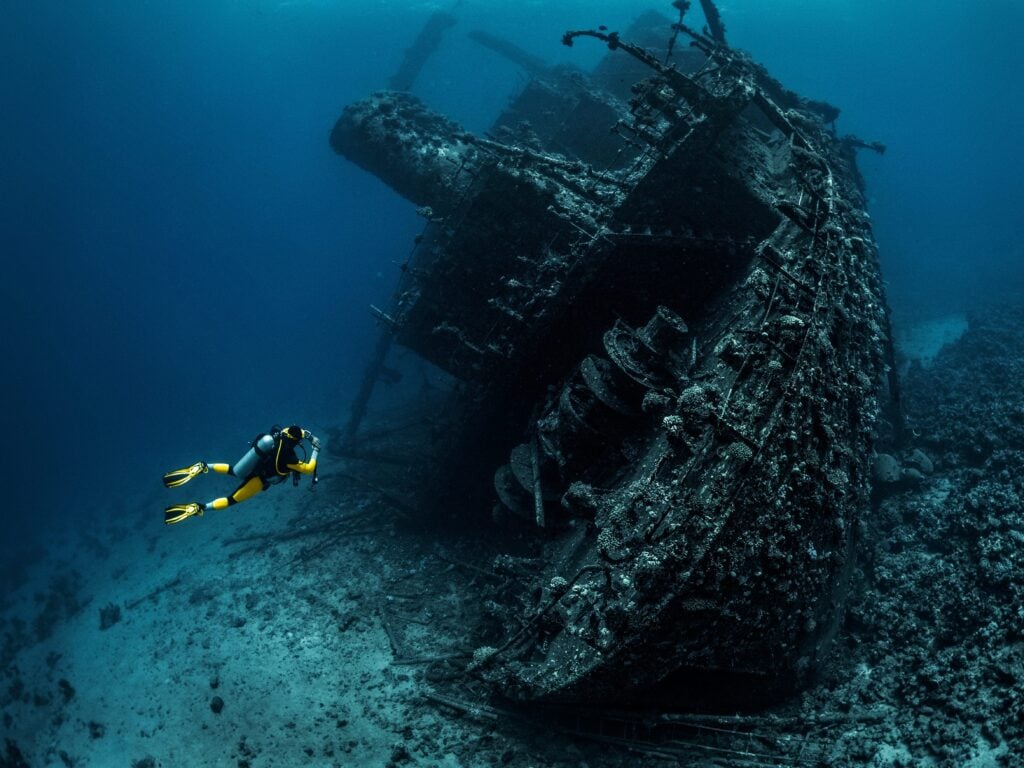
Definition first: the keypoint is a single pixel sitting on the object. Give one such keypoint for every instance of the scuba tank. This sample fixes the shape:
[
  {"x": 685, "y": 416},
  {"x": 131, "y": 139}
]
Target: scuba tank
[{"x": 262, "y": 447}]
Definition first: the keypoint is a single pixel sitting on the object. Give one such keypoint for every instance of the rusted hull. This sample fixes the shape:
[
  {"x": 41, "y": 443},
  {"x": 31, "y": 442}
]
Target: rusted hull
[{"x": 692, "y": 341}]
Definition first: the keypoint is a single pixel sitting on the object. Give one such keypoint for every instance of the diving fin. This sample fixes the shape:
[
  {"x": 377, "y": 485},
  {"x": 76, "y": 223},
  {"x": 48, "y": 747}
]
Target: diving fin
[
  {"x": 180, "y": 512},
  {"x": 182, "y": 476}
]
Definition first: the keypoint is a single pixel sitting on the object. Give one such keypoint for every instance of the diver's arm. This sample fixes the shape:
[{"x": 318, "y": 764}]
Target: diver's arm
[{"x": 307, "y": 467}]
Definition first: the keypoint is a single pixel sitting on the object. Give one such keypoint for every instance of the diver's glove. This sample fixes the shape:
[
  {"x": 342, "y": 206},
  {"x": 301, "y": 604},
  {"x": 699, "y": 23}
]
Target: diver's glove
[{"x": 315, "y": 442}]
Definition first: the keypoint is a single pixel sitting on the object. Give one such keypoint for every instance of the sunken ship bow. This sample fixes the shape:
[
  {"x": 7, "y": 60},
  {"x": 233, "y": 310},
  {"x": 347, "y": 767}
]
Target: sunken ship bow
[{"x": 673, "y": 337}]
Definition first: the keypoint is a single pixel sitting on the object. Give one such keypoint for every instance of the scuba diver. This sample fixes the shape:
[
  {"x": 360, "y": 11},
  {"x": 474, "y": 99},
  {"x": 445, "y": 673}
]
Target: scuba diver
[{"x": 269, "y": 460}]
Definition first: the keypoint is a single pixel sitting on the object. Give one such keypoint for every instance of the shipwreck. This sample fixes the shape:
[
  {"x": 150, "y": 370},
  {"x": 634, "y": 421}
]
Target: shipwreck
[{"x": 657, "y": 288}]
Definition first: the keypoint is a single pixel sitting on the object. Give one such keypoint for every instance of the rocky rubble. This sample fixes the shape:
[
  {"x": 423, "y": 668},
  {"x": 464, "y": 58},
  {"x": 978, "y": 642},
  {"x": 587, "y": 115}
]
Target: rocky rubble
[{"x": 936, "y": 631}]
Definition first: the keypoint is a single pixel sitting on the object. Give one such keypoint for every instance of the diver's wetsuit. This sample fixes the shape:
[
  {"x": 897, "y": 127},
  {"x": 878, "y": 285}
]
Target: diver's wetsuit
[
  {"x": 269, "y": 461},
  {"x": 273, "y": 468}
]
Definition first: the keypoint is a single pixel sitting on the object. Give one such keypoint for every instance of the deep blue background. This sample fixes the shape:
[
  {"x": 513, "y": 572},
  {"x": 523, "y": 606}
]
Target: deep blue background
[{"x": 186, "y": 261}]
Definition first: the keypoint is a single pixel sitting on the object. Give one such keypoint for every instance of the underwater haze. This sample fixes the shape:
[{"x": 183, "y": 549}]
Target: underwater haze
[{"x": 188, "y": 262}]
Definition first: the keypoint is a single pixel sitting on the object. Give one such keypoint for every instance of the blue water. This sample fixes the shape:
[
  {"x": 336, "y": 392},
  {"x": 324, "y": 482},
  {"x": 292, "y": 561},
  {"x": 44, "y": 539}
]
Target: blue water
[{"x": 187, "y": 262}]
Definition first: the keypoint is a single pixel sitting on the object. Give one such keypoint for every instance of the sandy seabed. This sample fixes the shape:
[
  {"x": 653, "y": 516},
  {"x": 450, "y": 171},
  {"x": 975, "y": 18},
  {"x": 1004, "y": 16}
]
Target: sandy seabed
[{"x": 284, "y": 636}]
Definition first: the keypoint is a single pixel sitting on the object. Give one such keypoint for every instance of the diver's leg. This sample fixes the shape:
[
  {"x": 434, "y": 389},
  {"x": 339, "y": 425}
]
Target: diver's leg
[
  {"x": 245, "y": 491},
  {"x": 221, "y": 469}
]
